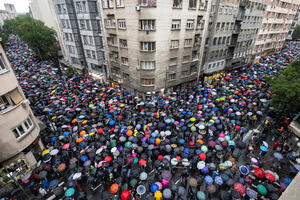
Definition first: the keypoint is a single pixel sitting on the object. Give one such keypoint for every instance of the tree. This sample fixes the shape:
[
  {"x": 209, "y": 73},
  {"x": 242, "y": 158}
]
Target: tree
[
  {"x": 286, "y": 89},
  {"x": 296, "y": 33},
  {"x": 40, "y": 38}
]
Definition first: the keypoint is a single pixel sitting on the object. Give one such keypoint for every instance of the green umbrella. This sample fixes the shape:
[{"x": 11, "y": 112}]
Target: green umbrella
[
  {"x": 204, "y": 148},
  {"x": 133, "y": 182},
  {"x": 113, "y": 143},
  {"x": 128, "y": 144},
  {"x": 93, "y": 171},
  {"x": 201, "y": 195},
  {"x": 125, "y": 187},
  {"x": 262, "y": 189},
  {"x": 193, "y": 128},
  {"x": 222, "y": 98},
  {"x": 69, "y": 192}
]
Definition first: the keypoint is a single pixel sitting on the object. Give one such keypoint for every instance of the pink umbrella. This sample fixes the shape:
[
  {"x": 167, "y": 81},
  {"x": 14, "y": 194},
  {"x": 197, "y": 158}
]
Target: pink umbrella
[
  {"x": 159, "y": 185},
  {"x": 66, "y": 146},
  {"x": 222, "y": 135},
  {"x": 165, "y": 182}
]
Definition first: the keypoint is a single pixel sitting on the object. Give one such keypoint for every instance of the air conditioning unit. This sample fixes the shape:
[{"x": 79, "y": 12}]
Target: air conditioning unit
[
  {"x": 25, "y": 102},
  {"x": 137, "y": 8}
]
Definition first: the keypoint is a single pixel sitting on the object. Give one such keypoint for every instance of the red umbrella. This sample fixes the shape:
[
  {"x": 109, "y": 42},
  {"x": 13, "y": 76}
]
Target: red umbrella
[
  {"x": 240, "y": 188},
  {"x": 259, "y": 172},
  {"x": 66, "y": 146},
  {"x": 125, "y": 195},
  {"x": 107, "y": 159},
  {"x": 237, "y": 127},
  {"x": 129, "y": 160},
  {"x": 202, "y": 156},
  {"x": 160, "y": 157},
  {"x": 142, "y": 162},
  {"x": 100, "y": 131},
  {"x": 270, "y": 177}
]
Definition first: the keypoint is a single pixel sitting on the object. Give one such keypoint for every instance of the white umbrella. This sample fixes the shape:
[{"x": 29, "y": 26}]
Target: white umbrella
[
  {"x": 54, "y": 152},
  {"x": 266, "y": 144},
  {"x": 200, "y": 165},
  {"x": 77, "y": 176},
  {"x": 185, "y": 162}
]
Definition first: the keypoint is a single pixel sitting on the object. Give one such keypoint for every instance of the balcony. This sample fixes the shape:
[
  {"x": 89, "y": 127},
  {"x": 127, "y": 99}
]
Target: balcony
[{"x": 243, "y": 3}]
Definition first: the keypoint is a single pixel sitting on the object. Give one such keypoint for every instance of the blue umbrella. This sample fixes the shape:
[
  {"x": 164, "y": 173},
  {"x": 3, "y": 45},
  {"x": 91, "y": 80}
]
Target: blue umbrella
[
  {"x": 205, "y": 170},
  {"x": 45, "y": 183},
  {"x": 278, "y": 155},
  {"x": 66, "y": 133},
  {"x": 83, "y": 144},
  {"x": 154, "y": 188},
  {"x": 242, "y": 181},
  {"x": 225, "y": 177},
  {"x": 168, "y": 121},
  {"x": 218, "y": 180},
  {"x": 263, "y": 148},
  {"x": 111, "y": 122},
  {"x": 81, "y": 117},
  {"x": 53, "y": 139},
  {"x": 291, "y": 156},
  {"x": 181, "y": 141},
  {"x": 251, "y": 193},
  {"x": 53, "y": 183},
  {"x": 84, "y": 158},
  {"x": 287, "y": 181},
  {"x": 208, "y": 179},
  {"x": 244, "y": 170}
]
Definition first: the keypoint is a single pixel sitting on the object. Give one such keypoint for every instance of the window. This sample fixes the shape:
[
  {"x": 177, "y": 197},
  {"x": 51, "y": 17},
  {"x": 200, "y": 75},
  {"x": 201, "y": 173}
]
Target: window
[
  {"x": 147, "y": 81},
  {"x": 58, "y": 8},
  {"x": 148, "y": 65},
  {"x": 88, "y": 54},
  {"x": 122, "y": 24},
  {"x": 119, "y": 3},
  {"x": 147, "y": 25},
  {"x": 186, "y": 58},
  {"x": 195, "y": 55},
  {"x": 82, "y": 24},
  {"x": 200, "y": 22},
  {"x": 172, "y": 61},
  {"x": 123, "y": 43},
  {"x": 174, "y": 44},
  {"x": 147, "y": 46},
  {"x": 175, "y": 24},
  {"x": 192, "y": 3},
  {"x": 88, "y": 25},
  {"x": 78, "y": 7},
  {"x": 94, "y": 55},
  {"x": 190, "y": 24},
  {"x": 148, "y": 3},
  {"x": 193, "y": 68},
  {"x": 198, "y": 40},
  {"x": 71, "y": 49},
  {"x": 177, "y": 4},
  {"x": 188, "y": 42},
  {"x": 113, "y": 56},
  {"x": 10, "y": 99},
  {"x": 3, "y": 66},
  {"x": 23, "y": 128},
  {"x": 124, "y": 61},
  {"x": 105, "y": 4},
  {"x": 85, "y": 39},
  {"x": 172, "y": 76},
  {"x": 111, "y": 40},
  {"x": 115, "y": 70},
  {"x": 83, "y": 6},
  {"x": 126, "y": 77},
  {"x": 110, "y": 22},
  {"x": 91, "y": 40}
]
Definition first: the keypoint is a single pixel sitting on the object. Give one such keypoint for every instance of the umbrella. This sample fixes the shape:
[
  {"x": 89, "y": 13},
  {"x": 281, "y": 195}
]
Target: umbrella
[
  {"x": 53, "y": 183},
  {"x": 54, "y": 152},
  {"x": 263, "y": 148},
  {"x": 70, "y": 192},
  {"x": 244, "y": 170},
  {"x": 142, "y": 162},
  {"x": 143, "y": 176},
  {"x": 258, "y": 172},
  {"x": 208, "y": 179},
  {"x": 270, "y": 177},
  {"x": 201, "y": 195},
  {"x": 77, "y": 176},
  {"x": 61, "y": 167},
  {"x": 114, "y": 188},
  {"x": 141, "y": 189},
  {"x": 200, "y": 165},
  {"x": 287, "y": 181},
  {"x": 218, "y": 180},
  {"x": 125, "y": 195},
  {"x": 211, "y": 188},
  {"x": 174, "y": 161},
  {"x": 84, "y": 158},
  {"x": 158, "y": 195},
  {"x": 166, "y": 175},
  {"x": 278, "y": 155},
  {"x": 251, "y": 193},
  {"x": 261, "y": 189},
  {"x": 224, "y": 195},
  {"x": 42, "y": 174},
  {"x": 239, "y": 187},
  {"x": 181, "y": 191},
  {"x": 26, "y": 176},
  {"x": 154, "y": 188},
  {"x": 193, "y": 182},
  {"x": 167, "y": 193}
]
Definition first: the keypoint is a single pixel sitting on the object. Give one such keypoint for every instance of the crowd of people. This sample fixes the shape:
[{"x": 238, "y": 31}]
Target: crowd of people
[{"x": 206, "y": 140}]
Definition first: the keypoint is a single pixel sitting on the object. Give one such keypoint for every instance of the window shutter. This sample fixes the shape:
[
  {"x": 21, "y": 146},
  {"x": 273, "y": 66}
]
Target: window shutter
[{"x": 15, "y": 96}]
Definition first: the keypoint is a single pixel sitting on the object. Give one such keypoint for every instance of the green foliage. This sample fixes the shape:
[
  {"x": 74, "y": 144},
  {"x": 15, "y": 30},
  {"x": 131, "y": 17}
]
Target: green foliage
[
  {"x": 296, "y": 33},
  {"x": 40, "y": 38},
  {"x": 286, "y": 89}
]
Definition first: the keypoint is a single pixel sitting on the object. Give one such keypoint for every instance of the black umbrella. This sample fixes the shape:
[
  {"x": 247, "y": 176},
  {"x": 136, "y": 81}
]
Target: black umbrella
[
  {"x": 42, "y": 174},
  {"x": 224, "y": 195}
]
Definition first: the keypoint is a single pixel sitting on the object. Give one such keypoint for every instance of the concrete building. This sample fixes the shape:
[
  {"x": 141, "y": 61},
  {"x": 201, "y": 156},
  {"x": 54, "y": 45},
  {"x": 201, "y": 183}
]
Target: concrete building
[
  {"x": 233, "y": 27},
  {"x": 10, "y": 8},
  {"x": 296, "y": 22},
  {"x": 154, "y": 44},
  {"x": 275, "y": 26},
  {"x": 19, "y": 130},
  {"x": 44, "y": 10},
  {"x": 5, "y": 15},
  {"x": 80, "y": 23}
]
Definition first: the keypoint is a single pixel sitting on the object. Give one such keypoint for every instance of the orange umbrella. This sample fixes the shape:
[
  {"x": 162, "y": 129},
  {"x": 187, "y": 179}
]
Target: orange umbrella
[
  {"x": 82, "y": 133},
  {"x": 74, "y": 121},
  {"x": 61, "y": 167},
  {"x": 79, "y": 140},
  {"x": 84, "y": 122},
  {"x": 114, "y": 188},
  {"x": 129, "y": 133}
]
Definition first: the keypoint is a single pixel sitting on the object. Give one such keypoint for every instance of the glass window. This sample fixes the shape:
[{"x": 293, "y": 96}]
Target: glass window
[
  {"x": 123, "y": 43},
  {"x": 148, "y": 65},
  {"x": 177, "y": 4},
  {"x": 175, "y": 24},
  {"x": 124, "y": 61},
  {"x": 122, "y": 24},
  {"x": 147, "y": 25},
  {"x": 148, "y": 81},
  {"x": 188, "y": 42},
  {"x": 3, "y": 66},
  {"x": 147, "y": 46},
  {"x": 174, "y": 44},
  {"x": 190, "y": 24}
]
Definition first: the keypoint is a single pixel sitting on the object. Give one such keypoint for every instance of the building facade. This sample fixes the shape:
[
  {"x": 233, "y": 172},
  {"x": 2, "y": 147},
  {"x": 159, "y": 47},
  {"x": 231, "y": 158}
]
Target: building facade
[
  {"x": 232, "y": 31},
  {"x": 18, "y": 127},
  {"x": 10, "y": 8},
  {"x": 80, "y": 24},
  {"x": 273, "y": 32},
  {"x": 154, "y": 44},
  {"x": 44, "y": 10}
]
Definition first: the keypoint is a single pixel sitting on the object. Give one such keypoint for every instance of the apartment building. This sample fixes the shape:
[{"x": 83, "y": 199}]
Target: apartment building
[
  {"x": 19, "y": 129},
  {"x": 278, "y": 18},
  {"x": 80, "y": 23},
  {"x": 295, "y": 22},
  {"x": 233, "y": 27},
  {"x": 154, "y": 44}
]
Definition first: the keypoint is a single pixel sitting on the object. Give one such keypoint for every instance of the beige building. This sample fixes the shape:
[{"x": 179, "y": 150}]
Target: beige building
[
  {"x": 154, "y": 44},
  {"x": 44, "y": 10},
  {"x": 19, "y": 130},
  {"x": 278, "y": 19}
]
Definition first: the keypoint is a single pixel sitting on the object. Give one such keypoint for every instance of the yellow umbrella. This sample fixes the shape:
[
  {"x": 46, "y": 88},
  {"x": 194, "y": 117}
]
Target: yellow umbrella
[
  {"x": 122, "y": 105},
  {"x": 53, "y": 117},
  {"x": 53, "y": 92},
  {"x": 45, "y": 152},
  {"x": 193, "y": 119},
  {"x": 158, "y": 195},
  {"x": 92, "y": 133}
]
